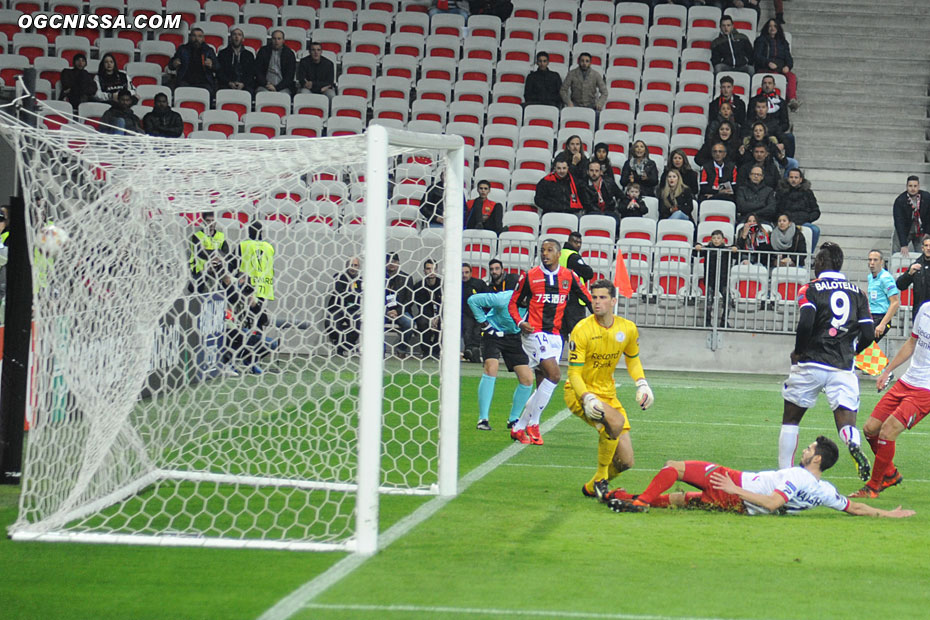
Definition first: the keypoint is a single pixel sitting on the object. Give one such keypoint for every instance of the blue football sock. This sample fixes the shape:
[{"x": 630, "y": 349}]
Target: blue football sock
[
  {"x": 520, "y": 396},
  {"x": 485, "y": 394}
]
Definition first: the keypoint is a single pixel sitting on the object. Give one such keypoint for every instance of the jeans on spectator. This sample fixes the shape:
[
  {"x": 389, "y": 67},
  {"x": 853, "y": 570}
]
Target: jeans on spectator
[
  {"x": 679, "y": 215},
  {"x": 815, "y": 230},
  {"x": 791, "y": 164},
  {"x": 725, "y": 67},
  {"x": 403, "y": 324},
  {"x": 789, "y": 144},
  {"x": 429, "y": 337},
  {"x": 329, "y": 93}
]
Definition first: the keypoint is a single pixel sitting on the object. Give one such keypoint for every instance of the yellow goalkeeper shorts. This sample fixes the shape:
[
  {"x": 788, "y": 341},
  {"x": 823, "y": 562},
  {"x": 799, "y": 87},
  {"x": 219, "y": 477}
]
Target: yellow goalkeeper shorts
[{"x": 575, "y": 406}]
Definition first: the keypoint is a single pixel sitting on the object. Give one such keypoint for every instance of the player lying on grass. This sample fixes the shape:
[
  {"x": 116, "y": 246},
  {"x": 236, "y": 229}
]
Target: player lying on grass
[
  {"x": 788, "y": 490},
  {"x": 595, "y": 347},
  {"x": 905, "y": 404}
]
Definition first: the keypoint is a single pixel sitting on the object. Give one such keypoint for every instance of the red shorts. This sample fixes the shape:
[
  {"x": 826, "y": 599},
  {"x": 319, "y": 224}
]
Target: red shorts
[
  {"x": 905, "y": 403},
  {"x": 710, "y": 495}
]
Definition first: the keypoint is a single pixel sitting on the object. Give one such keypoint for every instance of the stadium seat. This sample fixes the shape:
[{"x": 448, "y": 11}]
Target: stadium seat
[
  {"x": 528, "y": 9},
  {"x": 706, "y": 229},
  {"x": 411, "y": 23},
  {"x": 656, "y": 101},
  {"x": 704, "y": 17},
  {"x": 422, "y": 126},
  {"x": 156, "y": 52},
  {"x": 227, "y": 13},
  {"x": 50, "y": 68},
  {"x": 438, "y": 68},
  {"x": 744, "y": 20},
  {"x": 597, "y": 228},
  {"x": 467, "y": 90},
  {"x": 621, "y": 55},
  {"x": 223, "y": 121},
  {"x": 428, "y": 110},
  {"x": 483, "y": 48},
  {"x": 521, "y": 200},
  {"x": 521, "y": 28},
  {"x": 632, "y": 13},
  {"x": 399, "y": 65},
  {"x": 597, "y": 51},
  {"x": 66, "y": 46},
  {"x": 622, "y": 78},
  {"x": 638, "y": 228},
  {"x": 514, "y": 72},
  {"x": 369, "y": 20},
  {"x": 587, "y": 138},
  {"x": 388, "y": 6},
  {"x": 255, "y": 36},
  {"x": 367, "y": 42},
  {"x": 696, "y": 82},
  {"x": 786, "y": 282},
  {"x": 683, "y": 123},
  {"x": 507, "y": 92},
  {"x": 559, "y": 54},
  {"x": 349, "y": 106},
  {"x": 479, "y": 246},
  {"x": 691, "y": 103},
  {"x": 722, "y": 211},
  {"x": 408, "y": 195},
  {"x": 674, "y": 230},
  {"x": 438, "y": 90},
  {"x": 140, "y": 73},
  {"x": 689, "y": 143},
  {"x": 475, "y": 70},
  {"x": 496, "y": 157},
  {"x": 558, "y": 224},
  {"x": 276, "y": 103},
  {"x": 696, "y": 59},
  {"x": 191, "y": 119},
  {"x": 333, "y": 40},
  {"x": 517, "y": 251},
  {"x": 505, "y": 114},
  {"x": 501, "y": 135},
  {"x": 360, "y": 86},
  {"x": 264, "y": 123},
  {"x": 596, "y": 33},
  {"x": 202, "y": 134},
  {"x": 542, "y": 116},
  {"x": 303, "y": 125},
  {"x": 193, "y": 97},
  {"x": 499, "y": 178},
  {"x": 529, "y": 158},
  {"x": 656, "y": 142},
  {"x": 522, "y": 222},
  {"x": 335, "y": 19},
  {"x": 30, "y": 46},
  {"x": 749, "y": 283},
  {"x": 447, "y": 24},
  {"x": 577, "y": 118},
  {"x": 621, "y": 100},
  {"x": 629, "y": 34},
  {"x": 701, "y": 38},
  {"x": 470, "y": 132},
  {"x": 533, "y": 136},
  {"x": 670, "y": 15},
  {"x": 666, "y": 36},
  {"x": 146, "y": 93},
  {"x": 659, "y": 79},
  {"x": 271, "y": 209},
  {"x": 526, "y": 179},
  {"x": 617, "y": 141},
  {"x": 12, "y": 66},
  {"x": 320, "y": 213},
  {"x": 566, "y": 10},
  {"x": 671, "y": 279},
  {"x": 407, "y": 44},
  {"x": 344, "y": 126},
  {"x": 518, "y": 51}
]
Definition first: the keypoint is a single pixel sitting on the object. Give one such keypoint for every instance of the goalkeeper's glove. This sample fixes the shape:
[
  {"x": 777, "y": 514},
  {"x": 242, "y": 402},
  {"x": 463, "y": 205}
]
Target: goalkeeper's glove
[
  {"x": 644, "y": 396},
  {"x": 488, "y": 329},
  {"x": 593, "y": 407}
]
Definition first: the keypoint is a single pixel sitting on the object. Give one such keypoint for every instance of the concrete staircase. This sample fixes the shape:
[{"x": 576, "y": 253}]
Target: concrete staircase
[{"x": 863, "y": 72}]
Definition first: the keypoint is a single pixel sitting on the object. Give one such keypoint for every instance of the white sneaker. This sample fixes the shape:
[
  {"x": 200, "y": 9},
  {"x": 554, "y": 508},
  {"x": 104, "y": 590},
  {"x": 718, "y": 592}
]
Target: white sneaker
[{"x": 228, "y": 370}]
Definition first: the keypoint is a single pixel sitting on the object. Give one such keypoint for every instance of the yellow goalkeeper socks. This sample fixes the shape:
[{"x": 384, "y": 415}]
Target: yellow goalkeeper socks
[{"x": 605, "y": 455}]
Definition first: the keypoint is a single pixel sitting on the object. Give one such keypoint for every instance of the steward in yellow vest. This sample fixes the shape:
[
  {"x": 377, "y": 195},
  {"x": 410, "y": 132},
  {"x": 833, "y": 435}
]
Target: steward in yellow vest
[
  {"x": 570, "y": 259},
  {"x": 208, "y": 254},
  {"x": 256, "y": 262}
]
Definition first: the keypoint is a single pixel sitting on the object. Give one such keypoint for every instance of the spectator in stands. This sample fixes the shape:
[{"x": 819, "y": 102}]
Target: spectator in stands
[
  {"x": 717, "y": 261},
  {"x": 795, "y": 198},
  {"x": 725, "y": 115},
  {"x": 275, "y": 66},
  {"x": 110, "y": 80},
  {"x": 600, "y": 195},
  {"x": 787, "y": 237},
  {"x": 455, "y": 7},
  {"x": 602, "y": 156},
  {"x": 482, "y": 213},
  {"x": 120, "y": 119},
  {"x": 678, "y": 161},
  {"x": 344, "y": 308},
  {"x": 640, "y": 168},
  {"x": 584, "y": 87},
  {"x": 77, "y": 85},
  {"x": 911, "y": 212},
  {"x": 760, "y": 135},
  {"x": 195, "y": 62},
  {"x": 755, "y": 197},
  {"x": 761, "y": 158},
  {"x": 427, "y": 309},
  {"x": 718, "y": 176},
  {"x": 498, "y": 8},
  {"x": 542, "y": 87},
  {"x": 471, "y": 333},
  {"x": 575, "y": 156},
  {"x": 751, "y": 239},
  {"x": 557, "y": 192},
  {"x": 498, "y": 280},
  {"x": 772, "y": 53},
  {"x": 777, "y": 106},
  {"x": 632, "y": 204},
  {"x": 675, "y": 199},
  {"x": 727, "y": 96},
  {"x": 317, "y": 74},
  {"x": 398, "y": 294},
  {"x": 162, "y": 121},
  {"x": 732, "y": 50},
  {"x": 918, "y": 276},
  {"x": 236, "y": 64},
  {"x": 884, "y": 296},
  {"x": 727, "y": 135},
  {"x": 759, "y": 113}
]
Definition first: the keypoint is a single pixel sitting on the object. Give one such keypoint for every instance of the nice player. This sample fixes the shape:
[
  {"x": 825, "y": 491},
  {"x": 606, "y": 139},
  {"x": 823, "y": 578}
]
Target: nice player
[
  {"x": 595, "y": 347},
  {"x": 544, "y": 292},
  {"x": 905, "y": 404},
  {"x": 834, "y": 325},
  {"x": 788, "y": 490}
]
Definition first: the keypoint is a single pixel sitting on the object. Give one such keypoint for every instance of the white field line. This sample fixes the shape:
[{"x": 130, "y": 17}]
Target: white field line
[
  {"x": 497, "y": 613},
  {"x": 303, "y": 595}
]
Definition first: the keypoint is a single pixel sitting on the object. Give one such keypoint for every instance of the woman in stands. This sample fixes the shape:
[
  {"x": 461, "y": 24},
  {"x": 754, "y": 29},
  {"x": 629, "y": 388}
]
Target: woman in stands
[
  {"x": 725, "y": 114},
  {"x": 640, "y": 168},
  {"x": 110, "y": 80},
  {"x": 725, "y": 133},
  {"x": 773, "y": 54},
  {"x": 675, "y": 199},
  {"x": 574, "y": 156},
  {"x": 751, "y": 239},
  {"x": 760, "y": 135},
  {"x": 602, "y": 156},
  {"x": 678, "y": 161},
  {"x": 787, "y": 237},
  {"x": 795, "y": 198}
]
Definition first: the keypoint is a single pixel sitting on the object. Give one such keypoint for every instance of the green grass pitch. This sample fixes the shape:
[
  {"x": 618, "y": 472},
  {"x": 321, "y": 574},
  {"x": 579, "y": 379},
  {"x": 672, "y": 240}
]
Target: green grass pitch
[{"x": 523, "y": 540}]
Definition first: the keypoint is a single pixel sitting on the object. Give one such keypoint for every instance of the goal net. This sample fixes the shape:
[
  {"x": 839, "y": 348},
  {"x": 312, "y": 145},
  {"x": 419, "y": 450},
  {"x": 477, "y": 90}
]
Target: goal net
[{"x": 230, "y": 384}]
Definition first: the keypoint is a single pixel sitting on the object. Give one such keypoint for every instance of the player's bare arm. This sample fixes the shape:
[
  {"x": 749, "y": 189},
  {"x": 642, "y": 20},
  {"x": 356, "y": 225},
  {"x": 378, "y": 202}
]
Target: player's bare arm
[
  {"x": 864, "y": 510},
  {"x": 903, "y": 354},
  {"x": 771, "y": 502}
]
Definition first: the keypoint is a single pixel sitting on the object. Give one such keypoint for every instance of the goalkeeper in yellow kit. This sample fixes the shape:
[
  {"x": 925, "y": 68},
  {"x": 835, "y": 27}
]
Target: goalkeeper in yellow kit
[{"x": 595, "y": 347}]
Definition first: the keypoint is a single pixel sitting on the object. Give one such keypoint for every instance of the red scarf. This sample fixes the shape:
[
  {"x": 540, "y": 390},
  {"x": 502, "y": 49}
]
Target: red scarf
[{"x": 575, "y": 203}]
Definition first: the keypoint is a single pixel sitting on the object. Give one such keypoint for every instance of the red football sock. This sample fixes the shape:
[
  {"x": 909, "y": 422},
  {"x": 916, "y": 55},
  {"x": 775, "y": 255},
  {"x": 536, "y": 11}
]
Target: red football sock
[
  {"x": 661, "y": 501},
  {"x": 884, "y": 464},
  {"x": 662, "y": 482},
  {"x": 873, "y": 442}
]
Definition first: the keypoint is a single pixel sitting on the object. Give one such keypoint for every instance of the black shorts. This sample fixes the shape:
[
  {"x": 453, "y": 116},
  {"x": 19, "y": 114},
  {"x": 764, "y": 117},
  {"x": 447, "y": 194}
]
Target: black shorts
[
  {"x": 876, "y": 319},
  {"x": 510, "y": 347}
]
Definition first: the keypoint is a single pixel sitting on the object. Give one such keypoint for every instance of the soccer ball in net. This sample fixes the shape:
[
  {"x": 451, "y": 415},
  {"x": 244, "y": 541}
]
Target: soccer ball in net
[{"x": 52, "y": 239}]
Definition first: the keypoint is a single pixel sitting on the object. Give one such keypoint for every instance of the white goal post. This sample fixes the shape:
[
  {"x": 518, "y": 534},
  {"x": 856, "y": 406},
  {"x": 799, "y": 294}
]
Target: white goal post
[{"x": 166, "y": 414}]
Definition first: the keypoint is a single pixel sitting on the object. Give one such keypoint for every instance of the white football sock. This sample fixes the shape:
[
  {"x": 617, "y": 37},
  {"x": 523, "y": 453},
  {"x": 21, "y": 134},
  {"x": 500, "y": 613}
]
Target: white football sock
[
  {"x": 850, "y": 435},
  {"x": 543, "y": 395},
  {"x": 787, "y": 445},
  {"x": 527, "y": 412}
]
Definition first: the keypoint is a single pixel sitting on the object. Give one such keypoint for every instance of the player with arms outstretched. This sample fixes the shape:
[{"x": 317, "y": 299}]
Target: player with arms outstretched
[
  {"x": 544, "y": 291},
  {"x": 595, "y": 347},
  {"x": 834, "y": 325},
  {"x": 786, "y": 491}
]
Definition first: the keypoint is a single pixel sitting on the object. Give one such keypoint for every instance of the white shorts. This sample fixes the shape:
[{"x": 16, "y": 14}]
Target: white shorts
[
  {"x": 542, "y": 346},
  {"x": 804, "y": 383}
]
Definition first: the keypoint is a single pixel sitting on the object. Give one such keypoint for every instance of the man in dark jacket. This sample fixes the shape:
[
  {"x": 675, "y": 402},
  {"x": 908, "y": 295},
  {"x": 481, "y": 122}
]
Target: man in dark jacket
[
  {"x": 498, "y": 280},
  {"x": 427, "y": 309},
  {"x": 77, "y": 85},
  {"x": 120, "y": 119},
  {"x": 162, "y": 121},
  {"x": 195, "y": 62},
  {"x": 732, "y": 50},
  {"x": 275, "y": 66},
  {"x": 557, "y": 193},
  {"x": 754, "y": 196},
  {"x": 398, "y": 294},
  {"x": 762, "y": 158},
  {"x": 236, "y": 64},
  {"x": 918, "y": 275},
  {"x": 482, "y": 213},
  {"x": 471, "y": 333},
  {"x": 344, "y": 308},
  {"x": 760, "y": 112},
  {"x": 600, "y": 195},
  {"x": 542, "y": 86},
  {"x": 795, "y": 198},
  {"x": 575, "y": 309},
  {"x": 777, "y": 106},
  {"x": 717, "y": 179},
  {"x": 911, "y": 215},
  {"x": 727, "y": 96},
  {"x": 316, "y": 74}
]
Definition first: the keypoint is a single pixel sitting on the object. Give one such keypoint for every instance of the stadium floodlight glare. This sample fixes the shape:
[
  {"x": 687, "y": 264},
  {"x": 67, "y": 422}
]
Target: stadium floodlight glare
[{"x": 143, "y": 427}]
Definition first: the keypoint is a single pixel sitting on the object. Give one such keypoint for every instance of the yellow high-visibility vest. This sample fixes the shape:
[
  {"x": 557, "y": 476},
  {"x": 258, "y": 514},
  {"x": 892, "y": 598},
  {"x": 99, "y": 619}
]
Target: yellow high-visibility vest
[
  {"x": 209, "y": 243},
  {"x": 258, "y": 263}
]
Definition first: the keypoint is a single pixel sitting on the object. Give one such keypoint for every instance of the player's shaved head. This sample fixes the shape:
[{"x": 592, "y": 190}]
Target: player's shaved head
[
  {"x": 558, "y": 246},
  {"x": 829, "y": 258}
]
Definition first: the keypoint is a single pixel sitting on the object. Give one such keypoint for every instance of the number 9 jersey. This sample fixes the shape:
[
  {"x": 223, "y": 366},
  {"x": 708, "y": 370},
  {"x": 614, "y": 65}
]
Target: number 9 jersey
[{"x": 840, "y": 307}]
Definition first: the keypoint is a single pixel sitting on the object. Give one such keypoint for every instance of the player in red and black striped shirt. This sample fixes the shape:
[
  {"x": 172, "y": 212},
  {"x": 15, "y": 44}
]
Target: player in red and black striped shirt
[{"x": 544, "y": 290}]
